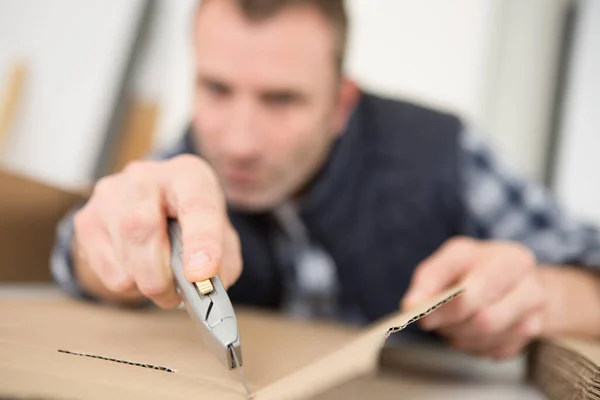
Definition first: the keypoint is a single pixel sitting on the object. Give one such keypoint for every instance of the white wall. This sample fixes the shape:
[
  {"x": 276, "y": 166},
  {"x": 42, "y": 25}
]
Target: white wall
[
  {"x": 521, "y": 80},
  {"x": 75, "y": 52},
  {"x": 578, "y": 173},
  {"x": 176, "y": 101},
  {"x": 431, "y": 51},
  {"x": 491, "y": 61}
]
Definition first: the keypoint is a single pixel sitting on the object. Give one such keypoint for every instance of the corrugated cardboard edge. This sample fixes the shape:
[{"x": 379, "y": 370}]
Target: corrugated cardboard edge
[
  {"x": 566, "y": 368},
  {"x": 358, "y": 358}
]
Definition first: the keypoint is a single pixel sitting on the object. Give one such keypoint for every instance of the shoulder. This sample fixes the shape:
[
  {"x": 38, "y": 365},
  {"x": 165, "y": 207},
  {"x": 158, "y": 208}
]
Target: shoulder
[
  {"x": 407, "y": 132},
  {"x": 395, "y": 114}
]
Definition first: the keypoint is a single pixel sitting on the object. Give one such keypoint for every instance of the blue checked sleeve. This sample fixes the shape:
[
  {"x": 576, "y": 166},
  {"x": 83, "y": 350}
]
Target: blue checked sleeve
[
  {"x": 61, "y": 262},
  {"x": 501, "y": 205}
]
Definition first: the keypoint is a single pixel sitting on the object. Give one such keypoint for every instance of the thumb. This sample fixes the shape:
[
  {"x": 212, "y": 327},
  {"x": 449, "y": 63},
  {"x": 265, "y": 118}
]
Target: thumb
[{"x": 439, "y": 271}]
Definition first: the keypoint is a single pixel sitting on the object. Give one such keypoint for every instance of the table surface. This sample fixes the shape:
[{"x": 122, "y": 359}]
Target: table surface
[{"x": 425, "y": 371}]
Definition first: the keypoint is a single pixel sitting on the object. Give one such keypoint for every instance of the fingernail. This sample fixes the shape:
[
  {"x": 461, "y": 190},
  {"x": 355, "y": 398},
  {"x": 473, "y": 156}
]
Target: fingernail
[{"x": 198, "y": 261}]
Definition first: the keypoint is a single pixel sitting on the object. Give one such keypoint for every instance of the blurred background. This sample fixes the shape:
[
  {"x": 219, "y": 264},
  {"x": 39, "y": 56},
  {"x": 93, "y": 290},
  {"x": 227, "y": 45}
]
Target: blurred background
[{"x": 86, "y": 86}]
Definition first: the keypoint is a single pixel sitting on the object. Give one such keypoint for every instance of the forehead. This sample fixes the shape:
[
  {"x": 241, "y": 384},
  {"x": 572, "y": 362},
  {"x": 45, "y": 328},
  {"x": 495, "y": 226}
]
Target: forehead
[{"x": 294, "y": 46}]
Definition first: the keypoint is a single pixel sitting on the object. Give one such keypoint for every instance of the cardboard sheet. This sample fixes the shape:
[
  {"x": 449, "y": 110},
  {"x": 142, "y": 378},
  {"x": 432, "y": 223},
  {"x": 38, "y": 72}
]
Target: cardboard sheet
[{"x": 65, "y": 349}]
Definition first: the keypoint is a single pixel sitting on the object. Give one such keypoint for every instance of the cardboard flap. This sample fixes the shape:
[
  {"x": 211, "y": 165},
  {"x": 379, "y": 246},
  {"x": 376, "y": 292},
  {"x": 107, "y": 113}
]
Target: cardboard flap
[
  {"x": 162, "y": 354},
  {"x": 359, "y": 357}
]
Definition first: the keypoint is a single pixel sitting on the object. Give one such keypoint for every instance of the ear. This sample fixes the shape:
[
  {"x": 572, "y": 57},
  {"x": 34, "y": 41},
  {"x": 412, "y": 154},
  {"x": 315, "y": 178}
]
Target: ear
[{"x": 347, "y": 98}]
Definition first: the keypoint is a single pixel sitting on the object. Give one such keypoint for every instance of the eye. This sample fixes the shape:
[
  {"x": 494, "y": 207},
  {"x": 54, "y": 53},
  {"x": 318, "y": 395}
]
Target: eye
[
  {"x": 280, "y": 99},
  {"x": 216, "y": 89}
]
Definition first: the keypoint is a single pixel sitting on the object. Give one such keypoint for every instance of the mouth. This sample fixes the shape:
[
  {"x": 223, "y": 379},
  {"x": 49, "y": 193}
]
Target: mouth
[{"x": 241, "y": 177}]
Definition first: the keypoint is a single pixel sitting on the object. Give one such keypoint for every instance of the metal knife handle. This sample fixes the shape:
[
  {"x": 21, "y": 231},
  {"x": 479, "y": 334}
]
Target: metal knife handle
[{"x": 208, "y": 304}]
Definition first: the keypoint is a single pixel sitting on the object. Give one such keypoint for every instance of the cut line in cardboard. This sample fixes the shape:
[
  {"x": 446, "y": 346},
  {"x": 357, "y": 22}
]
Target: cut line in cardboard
[
  {"x": 283, "y": 358},
  {"x": 133, "y": 363}
]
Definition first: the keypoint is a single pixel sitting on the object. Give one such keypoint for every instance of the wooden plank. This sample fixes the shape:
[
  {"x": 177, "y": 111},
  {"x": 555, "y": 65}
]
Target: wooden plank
[
  {"x": 10, "y": 98},
  {"x": 138, "y": 134}
]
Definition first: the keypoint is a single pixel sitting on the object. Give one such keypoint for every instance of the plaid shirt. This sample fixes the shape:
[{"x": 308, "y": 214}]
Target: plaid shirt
[
  {"x": 503, "y": 206},
  {"x": 500, "y": 205}
]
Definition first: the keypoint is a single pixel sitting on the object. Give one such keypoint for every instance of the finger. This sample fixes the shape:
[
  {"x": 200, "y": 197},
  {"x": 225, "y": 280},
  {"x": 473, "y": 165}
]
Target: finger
[
  {"x": 94, "y": 247},
  {"x": 496, "y": 270},
  {"x": 506, "y": 344},
  {"x": 194, "y": 197},
  {"x": 145, "y": 252},
  {"x": 231, "y": 267},
  {"x": 441, "y": 270},
  {"x": 141, "y": 238},
  {"x": 499, "y": 270},
  {"x": 525, "y": 299},
  {"x": 514, "y": 348}
]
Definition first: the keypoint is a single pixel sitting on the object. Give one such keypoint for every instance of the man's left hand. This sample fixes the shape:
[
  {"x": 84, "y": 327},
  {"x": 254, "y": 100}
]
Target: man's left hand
[{"x": 502, "y": 307}]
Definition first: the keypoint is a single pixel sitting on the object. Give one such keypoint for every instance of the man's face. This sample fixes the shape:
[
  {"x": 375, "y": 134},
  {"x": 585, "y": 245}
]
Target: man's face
[{"x": 269, "y": 101}]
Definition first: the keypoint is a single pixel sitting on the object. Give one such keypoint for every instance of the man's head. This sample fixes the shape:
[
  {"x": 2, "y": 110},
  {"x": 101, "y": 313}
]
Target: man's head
[{"x": 270, "y": 95}]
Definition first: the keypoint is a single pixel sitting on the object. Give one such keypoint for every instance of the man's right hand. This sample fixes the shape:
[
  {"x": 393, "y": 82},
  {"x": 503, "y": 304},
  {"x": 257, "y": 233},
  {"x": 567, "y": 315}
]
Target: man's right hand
[{"x": 121, "y": 248}]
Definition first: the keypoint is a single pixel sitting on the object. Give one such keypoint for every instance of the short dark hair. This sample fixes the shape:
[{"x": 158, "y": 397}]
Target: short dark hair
[{"x": 333, "y": 11}]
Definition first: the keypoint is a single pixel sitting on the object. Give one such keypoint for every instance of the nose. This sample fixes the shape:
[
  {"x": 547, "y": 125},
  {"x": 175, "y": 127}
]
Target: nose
[{"x": 241, "y": 138}]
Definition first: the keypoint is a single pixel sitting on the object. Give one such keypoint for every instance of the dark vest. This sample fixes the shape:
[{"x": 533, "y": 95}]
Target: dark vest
[{"x": 387, "y": 198}]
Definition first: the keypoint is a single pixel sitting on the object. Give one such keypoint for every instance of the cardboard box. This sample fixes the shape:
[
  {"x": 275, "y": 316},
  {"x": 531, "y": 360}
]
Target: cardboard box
[
  {"x": 65, "y": 349},
  {"x": 29, "y": 212}
]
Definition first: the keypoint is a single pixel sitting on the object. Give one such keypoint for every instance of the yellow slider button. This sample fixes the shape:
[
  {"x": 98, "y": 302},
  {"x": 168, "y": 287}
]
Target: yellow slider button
[{"x": 204, "y": 287}]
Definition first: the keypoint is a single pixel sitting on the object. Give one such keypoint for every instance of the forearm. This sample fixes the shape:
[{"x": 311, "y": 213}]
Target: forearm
[{"x": 573, "y": 303}]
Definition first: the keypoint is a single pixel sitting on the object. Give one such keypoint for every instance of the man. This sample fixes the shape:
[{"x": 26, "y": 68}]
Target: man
[{"x": 347, "y": 205}]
